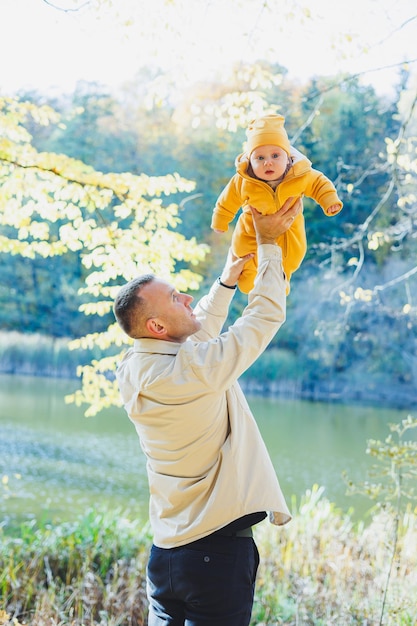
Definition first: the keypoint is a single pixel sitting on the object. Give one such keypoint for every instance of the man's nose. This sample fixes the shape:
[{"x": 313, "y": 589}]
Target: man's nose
[{"x": 187, "y": 299}]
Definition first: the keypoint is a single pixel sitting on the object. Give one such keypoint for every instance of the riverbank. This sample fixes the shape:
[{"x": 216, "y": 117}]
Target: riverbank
[
  {"x": 41, "y": 356},
  {"x": 320, "y": 569},
  {"x": 37, "y": 355},
  {"x": 343, "y": 391}
]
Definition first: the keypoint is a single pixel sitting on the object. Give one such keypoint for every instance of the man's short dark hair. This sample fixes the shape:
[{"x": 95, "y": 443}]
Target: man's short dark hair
[{"x": 130, "y": 308}]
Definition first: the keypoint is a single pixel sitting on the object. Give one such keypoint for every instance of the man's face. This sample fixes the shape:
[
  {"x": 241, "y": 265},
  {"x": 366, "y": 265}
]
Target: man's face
[
  {"x": 269, "y": 162},
  {"x": 171, "y": 309}
]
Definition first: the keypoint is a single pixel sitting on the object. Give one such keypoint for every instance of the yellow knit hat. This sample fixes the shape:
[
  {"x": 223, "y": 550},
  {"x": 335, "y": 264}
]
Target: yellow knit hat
[{"x": 267, "y": 130}]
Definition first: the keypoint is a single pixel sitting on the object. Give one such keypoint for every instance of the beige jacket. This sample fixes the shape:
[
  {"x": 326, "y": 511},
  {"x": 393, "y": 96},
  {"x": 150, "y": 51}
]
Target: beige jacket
[{"x": 207, "y": 463}]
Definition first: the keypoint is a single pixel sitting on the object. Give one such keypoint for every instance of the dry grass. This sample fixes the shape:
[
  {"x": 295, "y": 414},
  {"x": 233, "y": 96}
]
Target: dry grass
[
  {"x": 322, "y": 569},
  {"x": 85, "y": 573}
]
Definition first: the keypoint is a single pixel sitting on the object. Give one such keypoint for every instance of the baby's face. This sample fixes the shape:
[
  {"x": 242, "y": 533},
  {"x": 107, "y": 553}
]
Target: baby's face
[{"x": 269, "y": 162}]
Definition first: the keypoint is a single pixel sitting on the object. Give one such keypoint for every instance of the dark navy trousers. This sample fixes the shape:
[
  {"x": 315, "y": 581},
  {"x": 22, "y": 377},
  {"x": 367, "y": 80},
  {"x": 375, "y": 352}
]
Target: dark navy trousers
[{"x": 209, "y": 582}]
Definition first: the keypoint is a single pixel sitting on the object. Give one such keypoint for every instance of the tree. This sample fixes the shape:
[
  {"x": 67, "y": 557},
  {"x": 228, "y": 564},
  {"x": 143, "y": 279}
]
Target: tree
[
  {"x": 51, "y": 204},
  {"x": 362, "y": 328},
  {"x": 358, "y": 272}
]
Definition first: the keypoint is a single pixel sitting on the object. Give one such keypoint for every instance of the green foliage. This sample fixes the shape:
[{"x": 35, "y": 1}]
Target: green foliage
[
  {"x": 38, "y": 355},
  {"x": 323, "y": 569},
  {"x": 274, "y": 365},
  {"x": 76, "y": 571},
  {"x": 396, "y": 472},
  {"x": 318, "y": 570},
  {"x": 346, "y": 140},
  {"x": 51, "y": 204},
  {"x": 396, "y": 475},
  {"x": 73, "y": 227}
]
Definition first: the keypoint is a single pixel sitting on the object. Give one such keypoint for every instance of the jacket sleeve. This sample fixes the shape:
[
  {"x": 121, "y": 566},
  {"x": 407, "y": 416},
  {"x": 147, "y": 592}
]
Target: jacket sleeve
[
  {"x": 219, "y": 362},
  {"x": 227, "y": 205},
  {"x": 212, "y": 311},
  {"x": 322, "y": 190}
]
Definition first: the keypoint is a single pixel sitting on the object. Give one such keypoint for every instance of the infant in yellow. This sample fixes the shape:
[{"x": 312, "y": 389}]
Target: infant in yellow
[{"x": 267, "y": 174}]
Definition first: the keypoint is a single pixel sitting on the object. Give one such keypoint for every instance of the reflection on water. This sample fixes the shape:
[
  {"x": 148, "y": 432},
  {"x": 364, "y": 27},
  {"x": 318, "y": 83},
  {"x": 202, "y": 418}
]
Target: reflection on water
[{"x": 59, "y": 463}]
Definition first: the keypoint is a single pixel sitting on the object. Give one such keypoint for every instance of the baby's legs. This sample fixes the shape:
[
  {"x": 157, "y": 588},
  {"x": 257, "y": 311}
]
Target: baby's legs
[{"x": 293, "y": 244}]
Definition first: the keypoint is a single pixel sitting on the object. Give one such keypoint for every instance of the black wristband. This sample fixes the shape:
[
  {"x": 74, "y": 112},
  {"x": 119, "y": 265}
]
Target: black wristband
[{"x": 227, "y": 286}]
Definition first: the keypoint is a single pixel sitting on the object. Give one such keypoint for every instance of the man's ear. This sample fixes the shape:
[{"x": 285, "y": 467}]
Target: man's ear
[{"x": 155, "y": 328}]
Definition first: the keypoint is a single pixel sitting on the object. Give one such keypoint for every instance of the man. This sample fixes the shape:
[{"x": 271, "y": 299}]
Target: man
[{"x": 210, "y": 476}]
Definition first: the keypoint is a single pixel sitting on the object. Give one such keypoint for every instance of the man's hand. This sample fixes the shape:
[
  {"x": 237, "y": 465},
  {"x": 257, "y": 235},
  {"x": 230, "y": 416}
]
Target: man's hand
[
  {"x": 233, "y": 268},
  {"x": 269, "y": 227}
]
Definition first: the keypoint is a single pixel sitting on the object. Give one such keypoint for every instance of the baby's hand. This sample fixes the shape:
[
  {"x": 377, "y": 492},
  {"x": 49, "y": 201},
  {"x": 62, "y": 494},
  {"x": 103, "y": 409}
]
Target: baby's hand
[{"x": 332, "y": 210}]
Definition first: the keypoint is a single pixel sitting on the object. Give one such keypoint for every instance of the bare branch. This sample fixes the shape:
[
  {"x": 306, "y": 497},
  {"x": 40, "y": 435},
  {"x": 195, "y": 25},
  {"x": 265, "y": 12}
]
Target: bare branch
[
  {"x": 395, "y": 281},
  {"x": 352, "y": 77},
  {"x": 363, "y": 228},
  {"x": 308, "y": 121},
  {"x": 410, "y": 19},
  {"x": 351, "y": 279},
  {"x": 74, "y": 10}
]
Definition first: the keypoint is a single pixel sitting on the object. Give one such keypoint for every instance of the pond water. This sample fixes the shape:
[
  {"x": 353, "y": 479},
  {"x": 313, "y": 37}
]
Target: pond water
[{"x": 59, "y": 463}]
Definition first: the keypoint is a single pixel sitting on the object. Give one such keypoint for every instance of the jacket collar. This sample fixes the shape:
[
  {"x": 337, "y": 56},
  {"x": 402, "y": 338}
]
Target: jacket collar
[{"x": 156, "y": 346}]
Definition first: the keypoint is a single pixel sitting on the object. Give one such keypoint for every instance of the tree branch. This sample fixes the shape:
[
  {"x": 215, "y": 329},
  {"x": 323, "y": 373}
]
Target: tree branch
[
  {"x": 410, "y": 19},
  {"x": 74, "y": 10},
  {"x": 352, "y": 77},
  {"x": 395, "y": 281}
]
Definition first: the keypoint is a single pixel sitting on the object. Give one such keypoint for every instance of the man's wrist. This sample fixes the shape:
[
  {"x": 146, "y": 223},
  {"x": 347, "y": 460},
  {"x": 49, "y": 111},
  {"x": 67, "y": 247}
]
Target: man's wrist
[
  {"x": 219, "y": 280},
  {"x": 268, "y": 251}
]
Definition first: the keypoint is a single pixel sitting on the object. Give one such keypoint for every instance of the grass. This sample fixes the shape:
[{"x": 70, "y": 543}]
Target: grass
[
  {"x": 324, "y": 569},
  {"x": 321, "y": 569},
  {"x": 86, "y": 572},
  {"x": 39, "y": 355}
]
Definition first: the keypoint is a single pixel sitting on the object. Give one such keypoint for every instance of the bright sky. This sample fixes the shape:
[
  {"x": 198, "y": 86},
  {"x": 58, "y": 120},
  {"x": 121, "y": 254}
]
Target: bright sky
[{"x": 42, "y": 47}]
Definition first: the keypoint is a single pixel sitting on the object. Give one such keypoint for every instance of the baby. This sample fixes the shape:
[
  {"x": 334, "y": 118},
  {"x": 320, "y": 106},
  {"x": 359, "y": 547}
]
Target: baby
[{"x": 267, "y": 174}]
